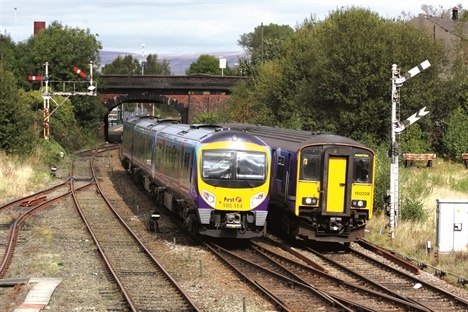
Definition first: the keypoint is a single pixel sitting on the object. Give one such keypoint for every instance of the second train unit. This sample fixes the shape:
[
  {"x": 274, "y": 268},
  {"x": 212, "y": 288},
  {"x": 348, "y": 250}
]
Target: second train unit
[{"x": 322, "y": 185}]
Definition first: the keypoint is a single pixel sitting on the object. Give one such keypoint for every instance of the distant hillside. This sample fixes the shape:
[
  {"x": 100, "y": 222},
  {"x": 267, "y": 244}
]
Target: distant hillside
[{"x": 178, "y": 62}]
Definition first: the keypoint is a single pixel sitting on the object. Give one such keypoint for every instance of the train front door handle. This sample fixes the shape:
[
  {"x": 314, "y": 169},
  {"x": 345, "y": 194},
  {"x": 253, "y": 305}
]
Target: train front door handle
[{"x": 342, "y": 184}]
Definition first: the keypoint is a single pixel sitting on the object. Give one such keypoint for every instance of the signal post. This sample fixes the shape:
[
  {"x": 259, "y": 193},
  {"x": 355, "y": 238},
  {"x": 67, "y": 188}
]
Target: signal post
[
  {"x": 69, "y": 88},
  {"x": 396, "y": 129}
]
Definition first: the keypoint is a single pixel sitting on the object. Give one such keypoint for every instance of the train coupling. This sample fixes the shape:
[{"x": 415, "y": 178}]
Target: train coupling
[
  {"x": 233, "y": 221},
  {"x": 335, "y": 224}
]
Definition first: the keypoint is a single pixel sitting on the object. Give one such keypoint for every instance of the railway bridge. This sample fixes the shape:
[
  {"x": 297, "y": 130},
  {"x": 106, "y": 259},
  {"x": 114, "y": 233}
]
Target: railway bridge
[{"x": 189, "y": 95}]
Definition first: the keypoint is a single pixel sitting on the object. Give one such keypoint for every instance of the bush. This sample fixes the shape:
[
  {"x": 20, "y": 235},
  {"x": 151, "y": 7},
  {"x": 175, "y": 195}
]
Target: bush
[
  {"x": 455, "y": 140},
  {"x": 382, "y": 178}
]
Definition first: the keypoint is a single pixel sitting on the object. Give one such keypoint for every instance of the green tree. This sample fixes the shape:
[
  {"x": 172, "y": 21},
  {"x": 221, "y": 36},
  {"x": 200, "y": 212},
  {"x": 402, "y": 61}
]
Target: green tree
[
  {"x": 207, "y": 64},
  {"x": 265, "y": 43},
  {"x": 7, "y": 53},
  {"x": 255, "y": 41},
  {"x": 16, "y": 131},
  {"x": 127, "y": 65},
  {"x": 334, "y": 75},
  {"x": 255, "y": 97},
  {"x": 63, "y": 48},
  {"x": 456, "y": 136},
  {"x": 153, "y": 66}
]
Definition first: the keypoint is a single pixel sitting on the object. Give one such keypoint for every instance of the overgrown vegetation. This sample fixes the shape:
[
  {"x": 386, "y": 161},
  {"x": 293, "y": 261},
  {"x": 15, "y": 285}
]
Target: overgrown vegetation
[
  {"x": 420, "y": 187},
  {"x": 21, "y": 175}
]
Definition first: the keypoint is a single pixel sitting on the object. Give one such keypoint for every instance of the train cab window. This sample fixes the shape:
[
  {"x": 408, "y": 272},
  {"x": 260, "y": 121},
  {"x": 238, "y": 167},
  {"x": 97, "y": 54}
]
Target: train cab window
[
  {"x": 251, "y": 165},
  {"x": 362, "y": 167},
  {"x": 310, "y": 164},
  {"x": 217, "y": 164}
]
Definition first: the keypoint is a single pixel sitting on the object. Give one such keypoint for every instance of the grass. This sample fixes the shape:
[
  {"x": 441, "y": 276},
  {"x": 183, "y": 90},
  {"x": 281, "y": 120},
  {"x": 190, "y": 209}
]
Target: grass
[
  {"x": 446, "y": 180},
  {"x": 21, "y": 176}
]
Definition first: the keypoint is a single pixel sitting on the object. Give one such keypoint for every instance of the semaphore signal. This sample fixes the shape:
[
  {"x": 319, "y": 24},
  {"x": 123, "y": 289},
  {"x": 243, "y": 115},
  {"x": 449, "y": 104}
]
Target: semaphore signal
[
  {"x": 37, "y": 78},
  {"x": 81, "y": 73},
  {"x": 69, "y": 89},
  {"x": 396, "y": 129},
  {"x": 410, "y": 120}
]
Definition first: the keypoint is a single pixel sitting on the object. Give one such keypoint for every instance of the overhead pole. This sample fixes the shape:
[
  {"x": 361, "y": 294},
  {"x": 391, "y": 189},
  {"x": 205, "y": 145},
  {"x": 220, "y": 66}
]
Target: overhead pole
[{"x": 396, "y": 129}]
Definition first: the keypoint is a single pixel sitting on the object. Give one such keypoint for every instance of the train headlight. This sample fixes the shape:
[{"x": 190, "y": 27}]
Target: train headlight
[
  {"x": 310, "y": 201},
  {"x": 256, "y": 200},
  {"x": 355, "y": 203},
  {"x": 209, "y": 198}
]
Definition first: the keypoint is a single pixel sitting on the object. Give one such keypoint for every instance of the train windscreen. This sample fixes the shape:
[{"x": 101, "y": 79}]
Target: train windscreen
[
  {"x": 219, "y": 165},
  {"x": 311, "y": 164}
]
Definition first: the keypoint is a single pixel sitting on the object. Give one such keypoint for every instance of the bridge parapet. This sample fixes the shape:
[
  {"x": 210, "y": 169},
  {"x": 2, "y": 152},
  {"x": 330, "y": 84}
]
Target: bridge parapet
[{"x": 168, "y": 84}]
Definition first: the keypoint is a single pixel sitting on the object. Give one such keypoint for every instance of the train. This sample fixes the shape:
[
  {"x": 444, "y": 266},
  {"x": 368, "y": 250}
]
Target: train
[
  {"x": 214, "y": 179},
  {"x": 322, "y": 184}
]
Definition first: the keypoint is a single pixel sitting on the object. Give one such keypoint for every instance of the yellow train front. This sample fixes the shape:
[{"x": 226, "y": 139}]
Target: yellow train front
[
  {"x": 322, "y": 186},
  {"x": 216, "y": 180}
]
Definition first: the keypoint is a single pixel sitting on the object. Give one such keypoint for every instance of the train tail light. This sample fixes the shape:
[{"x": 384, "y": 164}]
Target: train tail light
[
  {"x": 355, "y": 203},
  {"x": 311, "y": 201}
]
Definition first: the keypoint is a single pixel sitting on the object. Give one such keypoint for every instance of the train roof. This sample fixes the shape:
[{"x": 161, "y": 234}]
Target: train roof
[
  {"x": 196, "y": 132},
  {"x": 290, "y": 138}
]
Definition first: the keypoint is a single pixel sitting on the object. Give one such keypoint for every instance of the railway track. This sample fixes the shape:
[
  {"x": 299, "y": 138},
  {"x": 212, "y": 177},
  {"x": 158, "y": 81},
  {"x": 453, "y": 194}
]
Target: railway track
[
  {"x": 355, "y": 267},
  {"x": 350, "y": 293},
  {"x": 144, "y": 283},
  {"x": 15, "y": 213},
  {"x": 280, "y": 283}
]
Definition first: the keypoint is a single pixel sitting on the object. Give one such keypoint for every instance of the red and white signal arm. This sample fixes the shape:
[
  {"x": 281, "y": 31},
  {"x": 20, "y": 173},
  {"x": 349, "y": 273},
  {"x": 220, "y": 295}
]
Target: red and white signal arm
[
  {"x": 80, "y": 72},
  {"x": 36, "y": 78}
]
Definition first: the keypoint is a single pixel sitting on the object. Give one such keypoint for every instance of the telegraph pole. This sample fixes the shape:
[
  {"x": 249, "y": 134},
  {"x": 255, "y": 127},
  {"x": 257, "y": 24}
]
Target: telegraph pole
[{"x": 396, "y": 129}]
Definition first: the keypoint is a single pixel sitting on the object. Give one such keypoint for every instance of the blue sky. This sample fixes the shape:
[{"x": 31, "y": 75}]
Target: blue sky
[{"x": 178, "y": 27}]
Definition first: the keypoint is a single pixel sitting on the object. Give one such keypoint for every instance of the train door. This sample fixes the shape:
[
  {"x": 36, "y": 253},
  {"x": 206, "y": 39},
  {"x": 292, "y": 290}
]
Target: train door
[
  {"x": 280, "y": 175},
  {"x": 336, "y": 192},
  {"x": 336, "y": 179}
]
